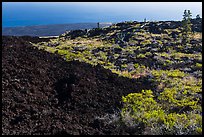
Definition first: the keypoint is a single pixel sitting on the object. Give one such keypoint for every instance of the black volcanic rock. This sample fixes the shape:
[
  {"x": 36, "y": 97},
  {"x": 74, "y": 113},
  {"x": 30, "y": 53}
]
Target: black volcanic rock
[
  {"x": 197, "y": 25},
  {"x": 43, "y": 94}
]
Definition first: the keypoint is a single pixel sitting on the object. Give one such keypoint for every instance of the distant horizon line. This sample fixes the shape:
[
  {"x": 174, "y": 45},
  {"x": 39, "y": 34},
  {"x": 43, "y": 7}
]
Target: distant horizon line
[{"x": 108, "y": 22}]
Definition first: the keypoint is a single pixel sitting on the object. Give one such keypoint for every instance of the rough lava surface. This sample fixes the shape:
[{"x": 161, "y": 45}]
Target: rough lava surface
[{"x": 44, "y": 94}]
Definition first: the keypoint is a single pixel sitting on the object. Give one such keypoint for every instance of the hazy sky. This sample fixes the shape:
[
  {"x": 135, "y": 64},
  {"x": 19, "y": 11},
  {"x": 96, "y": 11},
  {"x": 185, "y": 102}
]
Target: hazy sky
[
  {"x": 155, "y": 9},
  {"x": 54, "y": 12}
]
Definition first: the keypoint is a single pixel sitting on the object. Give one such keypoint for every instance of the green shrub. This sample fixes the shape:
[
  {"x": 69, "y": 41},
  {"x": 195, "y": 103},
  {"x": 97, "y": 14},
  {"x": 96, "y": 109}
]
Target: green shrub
[
  {"x": 124, "y": 66},
  {"x": 145, "y": 42},
  {"x": 198, "y": 65},
  {"x": 136, "y": 65},
  {"x": 141, "y": 56},
  {"x": 142, "y": 108},
  {"x": 159, "y": 42},
  {"x": 148, "y": 54}
]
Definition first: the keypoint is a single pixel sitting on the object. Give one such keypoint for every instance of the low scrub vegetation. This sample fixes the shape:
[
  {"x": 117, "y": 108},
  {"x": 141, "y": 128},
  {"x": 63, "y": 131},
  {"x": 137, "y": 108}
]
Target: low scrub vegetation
[{"x": 130, "y": 50}]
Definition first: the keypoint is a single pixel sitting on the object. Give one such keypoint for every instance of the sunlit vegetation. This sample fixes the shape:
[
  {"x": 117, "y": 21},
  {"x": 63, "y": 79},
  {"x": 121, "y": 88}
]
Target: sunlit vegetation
[
  {"x": 129, "y": 50},
  {"x": 143, "y": 109}
]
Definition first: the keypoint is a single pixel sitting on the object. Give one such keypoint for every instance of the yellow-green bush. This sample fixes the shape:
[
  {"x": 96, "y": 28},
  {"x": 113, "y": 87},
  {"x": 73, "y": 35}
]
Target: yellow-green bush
[
  {"x": 141, "y": 56},
  {"x": 198, "y": 65},
  {"x": 178, "y": 89},
  {"x": 143, "y": 108},
  {"x": 145, "y": 42}
]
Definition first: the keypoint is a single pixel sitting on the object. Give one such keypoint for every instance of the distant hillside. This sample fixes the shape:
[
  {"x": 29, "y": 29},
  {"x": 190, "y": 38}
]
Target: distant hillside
[{"x": 48, "y": 30}]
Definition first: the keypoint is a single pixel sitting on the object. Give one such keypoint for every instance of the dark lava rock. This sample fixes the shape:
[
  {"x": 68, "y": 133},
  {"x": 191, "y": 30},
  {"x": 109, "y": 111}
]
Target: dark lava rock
[
  {"x": 95, "y": 32},
  {"x": 44, "y": 95},
  {"x": 197, "y": 25},
  {"x": 175, "y": 34},
  {"x": 76, "y": 33},
  {"x": 23, "y": 40},
  {"x": 155, "y": 28}
]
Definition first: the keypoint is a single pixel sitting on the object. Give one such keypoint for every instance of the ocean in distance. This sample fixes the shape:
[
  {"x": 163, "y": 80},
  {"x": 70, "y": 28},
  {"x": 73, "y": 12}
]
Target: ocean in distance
[{"x": 28, "y": 14}]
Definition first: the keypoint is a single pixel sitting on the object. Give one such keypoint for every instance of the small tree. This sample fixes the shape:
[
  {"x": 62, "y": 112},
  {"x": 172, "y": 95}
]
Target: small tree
[
  {"x": 186, "y": 26},
  {"x": 98, "y": 25},
  {"x": 198, "y": 16},
  {"x": 145, "y": 20}
]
